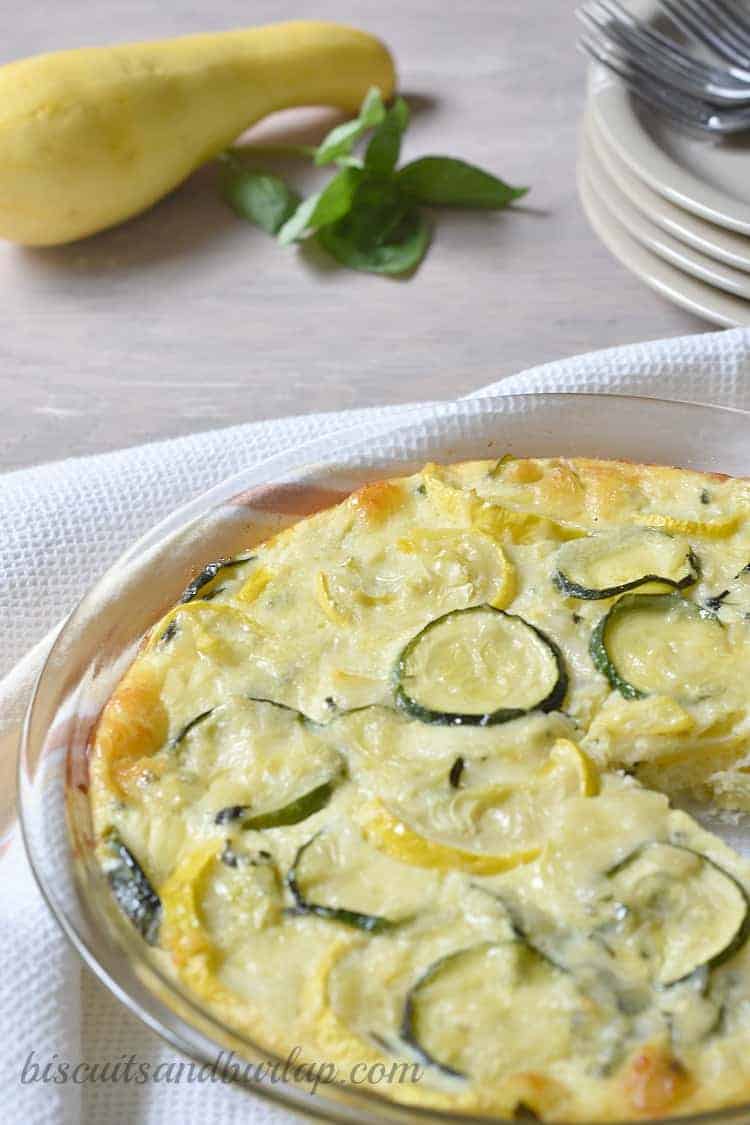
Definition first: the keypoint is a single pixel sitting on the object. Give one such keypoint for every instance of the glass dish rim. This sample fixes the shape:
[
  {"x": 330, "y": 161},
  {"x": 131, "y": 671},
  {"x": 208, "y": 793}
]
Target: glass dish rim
[{"x": 303, "y": 462}]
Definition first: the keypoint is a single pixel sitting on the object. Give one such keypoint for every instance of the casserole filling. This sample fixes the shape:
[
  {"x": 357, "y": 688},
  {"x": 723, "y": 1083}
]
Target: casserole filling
[{"x": 404, "y": 784}]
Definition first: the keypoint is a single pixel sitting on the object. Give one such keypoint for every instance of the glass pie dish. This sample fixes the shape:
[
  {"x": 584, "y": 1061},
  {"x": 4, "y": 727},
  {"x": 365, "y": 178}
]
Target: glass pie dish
[{"x": 102, "y": 635}]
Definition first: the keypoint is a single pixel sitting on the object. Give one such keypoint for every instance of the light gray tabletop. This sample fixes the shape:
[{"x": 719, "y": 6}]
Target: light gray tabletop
[{"x": 187, "y": 319}]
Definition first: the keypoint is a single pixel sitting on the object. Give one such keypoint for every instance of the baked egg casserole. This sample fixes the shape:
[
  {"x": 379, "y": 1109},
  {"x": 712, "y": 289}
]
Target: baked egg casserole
[{"x": 406, "y": 783}]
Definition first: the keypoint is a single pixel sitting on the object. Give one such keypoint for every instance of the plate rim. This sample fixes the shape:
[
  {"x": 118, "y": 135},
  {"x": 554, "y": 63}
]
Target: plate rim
[
  {"x": 695, "y": 231},
  {"x": 615, "y": 115},
  {"x": 654, "y": 238},
  {"x": 700, "y": 299}
]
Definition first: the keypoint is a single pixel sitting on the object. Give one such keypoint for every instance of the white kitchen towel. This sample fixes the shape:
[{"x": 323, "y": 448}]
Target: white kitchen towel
[{"x": 60, "y": 526}]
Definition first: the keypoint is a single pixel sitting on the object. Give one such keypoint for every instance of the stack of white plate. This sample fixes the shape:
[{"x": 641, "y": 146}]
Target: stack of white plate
[{"x": 673, "y": 207}]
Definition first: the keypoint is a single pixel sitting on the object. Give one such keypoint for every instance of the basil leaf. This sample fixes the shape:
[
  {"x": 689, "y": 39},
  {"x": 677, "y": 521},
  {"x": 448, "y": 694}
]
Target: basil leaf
[
  {"x": 259, "y": 197},
  {"x": 384, "y": 148},
  {"x": 441, "y": 181},
  {"x": 324, "y": 207},
  {"x": 341, "y": 140},
  {"x": 387, "y": 239},
  {"x": 376, "y": 208}
]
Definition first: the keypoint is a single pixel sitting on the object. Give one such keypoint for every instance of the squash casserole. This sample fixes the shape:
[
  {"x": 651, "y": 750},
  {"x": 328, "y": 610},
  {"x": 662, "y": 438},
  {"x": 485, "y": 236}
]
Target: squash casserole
[{"x": 408, "y": 781}]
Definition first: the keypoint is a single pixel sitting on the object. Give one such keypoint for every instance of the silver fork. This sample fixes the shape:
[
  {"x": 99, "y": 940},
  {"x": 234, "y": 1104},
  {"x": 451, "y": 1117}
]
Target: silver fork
[
  {"x": 716, "y": 23},
  {"x": 664, "y": 59},
  {"x": 698, "y": 94}
]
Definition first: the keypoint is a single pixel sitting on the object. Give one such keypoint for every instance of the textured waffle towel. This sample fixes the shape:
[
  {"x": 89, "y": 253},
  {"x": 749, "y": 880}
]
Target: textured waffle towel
[{"x": 60, "y": 526}]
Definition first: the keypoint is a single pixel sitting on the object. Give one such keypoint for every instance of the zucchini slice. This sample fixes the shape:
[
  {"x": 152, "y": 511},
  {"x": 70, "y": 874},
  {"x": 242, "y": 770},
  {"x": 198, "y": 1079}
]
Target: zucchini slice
[
  {"x": 608, "y": 563},
  {"x": 169, "y": 633},
  {"x": 684, "y": 911},
  {"x": 412, "y": 1030},
  {"x": 478, "y": 667},
  {"x": 733, "y": 603},
  {"x": 522, "y": 932},
  {"x": 692, "y": 1013},
  {"x": 292, "y": 813},
  {"x": 658, "y": 644},
  {"x": 134, "y": 894},
  {"x": 185, "y": 731},
  {"x": 475, "y": 1003},
  {"x": 300, "y": 716},
  {"x": 238, "y": 892},
  {"x": 369, "y": 923},
  {"x": 209, "y": 574},
  {"x": 291, "y": 772}
]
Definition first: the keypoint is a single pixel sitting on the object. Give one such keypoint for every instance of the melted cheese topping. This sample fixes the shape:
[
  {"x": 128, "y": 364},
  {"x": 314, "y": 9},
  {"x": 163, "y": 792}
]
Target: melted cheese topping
[{"x": 458, "y": 848}]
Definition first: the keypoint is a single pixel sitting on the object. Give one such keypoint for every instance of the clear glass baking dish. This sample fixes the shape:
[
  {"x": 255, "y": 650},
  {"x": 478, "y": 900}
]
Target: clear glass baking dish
[{"x": 100, "y": 638}]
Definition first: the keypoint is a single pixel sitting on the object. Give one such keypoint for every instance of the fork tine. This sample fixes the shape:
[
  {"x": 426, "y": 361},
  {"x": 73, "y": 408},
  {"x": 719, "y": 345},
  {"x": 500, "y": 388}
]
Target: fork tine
[
  {"x": 729, "y": 18},
  {"x": 689, "y": 17},
  {"x": 733, "y": 15},
  {"x": 667, "y": 49},
  {"x": 690, "y": 112},
  {"x": 668, "y": 64},
  {"x": 658, "y": 64}
]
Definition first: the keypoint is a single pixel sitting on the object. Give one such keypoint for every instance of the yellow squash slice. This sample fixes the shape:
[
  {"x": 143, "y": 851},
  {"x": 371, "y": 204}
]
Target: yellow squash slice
[{"x": 567, "y": 772}]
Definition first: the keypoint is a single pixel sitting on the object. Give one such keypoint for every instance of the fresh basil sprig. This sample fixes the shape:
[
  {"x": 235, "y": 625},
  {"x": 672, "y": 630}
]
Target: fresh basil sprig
[
  {"x": 264, "y": 199},
  {"x": 384, "y": 148},
  {"x": 341, "y": 140},
  {"x": 323, "y": 208},
  {"x": 368, "y": 215}
]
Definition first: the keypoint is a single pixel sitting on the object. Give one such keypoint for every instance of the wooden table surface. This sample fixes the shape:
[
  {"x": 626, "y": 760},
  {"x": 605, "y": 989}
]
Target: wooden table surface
[{"x": 187, "y": 319}]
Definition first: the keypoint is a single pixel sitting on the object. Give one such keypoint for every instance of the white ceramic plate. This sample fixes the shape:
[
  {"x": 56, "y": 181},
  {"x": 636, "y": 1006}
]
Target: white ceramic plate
[
  {"x": 717, "y": 242},
  {"x": 708, "y": 177},
  {"x": 688, "y": 292},
  {"x": 653, "y": 237}
]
